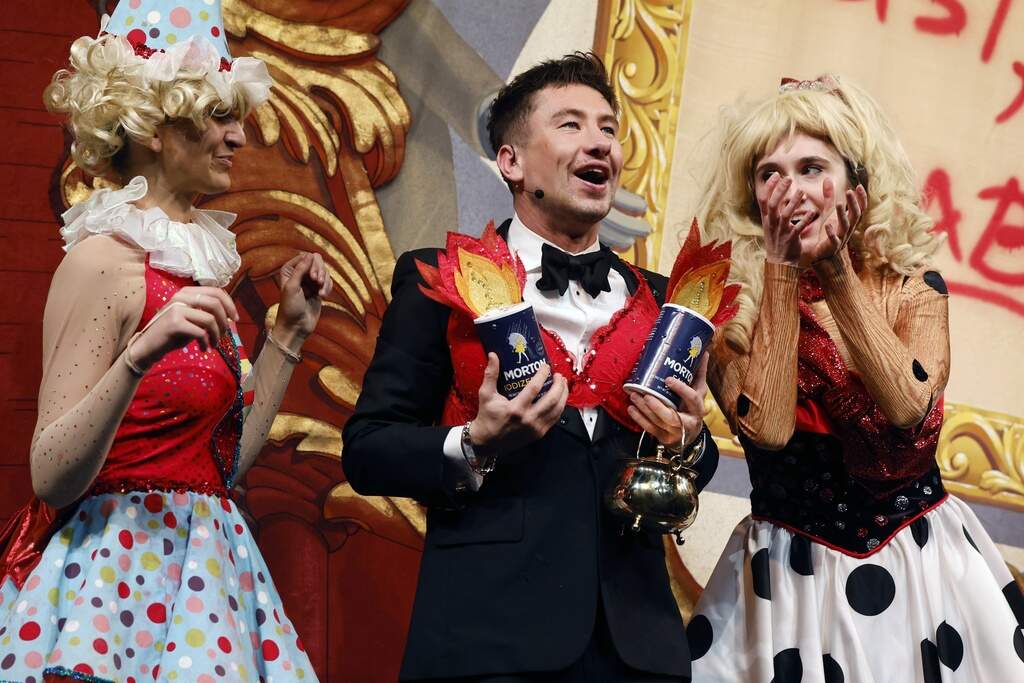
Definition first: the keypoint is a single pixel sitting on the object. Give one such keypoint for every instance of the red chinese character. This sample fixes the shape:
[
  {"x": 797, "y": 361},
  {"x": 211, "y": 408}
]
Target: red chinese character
[
  {"x": 994, "y": 29},
  {"x": 953, "y": 22},
  {"x": 999, "y": 232},
  {"x": 937, "y": 188},
  {"x": 1018, "y": 101}
]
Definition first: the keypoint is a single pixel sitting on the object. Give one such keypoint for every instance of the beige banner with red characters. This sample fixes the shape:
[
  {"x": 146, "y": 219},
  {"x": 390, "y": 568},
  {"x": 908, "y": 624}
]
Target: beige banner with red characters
[{"x": 950, "y": 75}]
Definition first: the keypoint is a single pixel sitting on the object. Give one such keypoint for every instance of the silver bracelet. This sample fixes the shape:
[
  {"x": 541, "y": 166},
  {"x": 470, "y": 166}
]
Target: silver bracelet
[
  {"x": 674, "y": 449},
  {"x": 475, "y": 464},
  {"x": 288, "y": 353},
  {"x": 690, "y": 455},
  {"x": 127, "y": 355},
  {"x": 695, "y": 451}
]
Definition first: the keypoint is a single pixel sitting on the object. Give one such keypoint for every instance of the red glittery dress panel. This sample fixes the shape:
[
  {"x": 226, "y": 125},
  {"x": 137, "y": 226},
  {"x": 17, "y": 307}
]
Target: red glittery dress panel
[
  {"x": 164, "y": 441},
  {"x": 874, "y": 451},
  {"x": 614, "y": 350}
]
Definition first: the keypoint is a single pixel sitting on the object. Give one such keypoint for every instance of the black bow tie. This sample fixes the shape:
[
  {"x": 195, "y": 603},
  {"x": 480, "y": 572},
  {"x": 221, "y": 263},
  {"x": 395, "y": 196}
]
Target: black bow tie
[{"x": 590, "y": 270}]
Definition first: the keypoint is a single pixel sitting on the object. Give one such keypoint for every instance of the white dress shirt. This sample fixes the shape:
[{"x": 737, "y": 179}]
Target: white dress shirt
[{"x": 574, "y": 316}]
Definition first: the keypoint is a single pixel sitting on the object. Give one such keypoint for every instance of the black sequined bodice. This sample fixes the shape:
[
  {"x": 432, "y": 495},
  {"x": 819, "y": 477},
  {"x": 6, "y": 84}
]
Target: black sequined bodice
[{"x": 806, "y": 488}]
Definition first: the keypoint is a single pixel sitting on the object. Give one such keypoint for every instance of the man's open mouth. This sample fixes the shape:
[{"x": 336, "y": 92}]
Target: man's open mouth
[{"x": 593, "y": 175}]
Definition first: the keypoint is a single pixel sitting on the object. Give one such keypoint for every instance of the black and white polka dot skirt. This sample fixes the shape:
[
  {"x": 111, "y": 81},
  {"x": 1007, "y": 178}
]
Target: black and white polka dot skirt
[{"x": 937, "y": 603}]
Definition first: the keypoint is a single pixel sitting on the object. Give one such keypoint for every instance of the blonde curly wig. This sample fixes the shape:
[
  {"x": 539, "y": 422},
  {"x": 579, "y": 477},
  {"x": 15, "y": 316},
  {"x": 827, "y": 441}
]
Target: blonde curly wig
[
  {"x": 894, "y": 233},
  {"x": 107, "y": 101}
]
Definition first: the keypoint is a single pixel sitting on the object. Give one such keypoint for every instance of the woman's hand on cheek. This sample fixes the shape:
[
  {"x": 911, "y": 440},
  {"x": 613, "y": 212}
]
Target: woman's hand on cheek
[
  {"x": 837, "y": 233},
  {"x": 781, "y": 235}
]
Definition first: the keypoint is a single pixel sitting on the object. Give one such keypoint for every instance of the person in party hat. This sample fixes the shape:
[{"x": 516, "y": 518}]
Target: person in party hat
[{"x": 133, "y": 563}]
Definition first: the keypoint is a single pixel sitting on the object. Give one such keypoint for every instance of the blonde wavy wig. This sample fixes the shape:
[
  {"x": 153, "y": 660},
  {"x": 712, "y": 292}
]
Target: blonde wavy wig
[
  {"x": 894, "y": 233},
  {"x": 107, "y": 101}
]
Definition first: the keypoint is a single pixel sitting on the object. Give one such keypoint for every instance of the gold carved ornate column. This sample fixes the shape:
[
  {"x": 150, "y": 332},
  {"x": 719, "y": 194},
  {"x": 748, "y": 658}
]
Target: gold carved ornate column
[{"x": 643, "y": 43}]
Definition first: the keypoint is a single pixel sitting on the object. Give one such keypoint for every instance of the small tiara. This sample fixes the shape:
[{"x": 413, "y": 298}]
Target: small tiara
[{"x": 826, "y": 83}]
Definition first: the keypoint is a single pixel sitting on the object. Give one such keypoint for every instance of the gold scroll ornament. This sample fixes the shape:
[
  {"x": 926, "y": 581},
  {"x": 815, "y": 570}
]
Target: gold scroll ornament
[
  {"x": 328, "y": 81},
  {"x": 643, "y": 43}
]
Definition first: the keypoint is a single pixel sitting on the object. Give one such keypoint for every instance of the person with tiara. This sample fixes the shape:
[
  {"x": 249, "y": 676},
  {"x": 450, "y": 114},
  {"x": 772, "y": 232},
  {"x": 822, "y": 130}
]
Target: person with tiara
[
  {"x": 149, "y": 411},
  {"x": 855, "y": 564}
]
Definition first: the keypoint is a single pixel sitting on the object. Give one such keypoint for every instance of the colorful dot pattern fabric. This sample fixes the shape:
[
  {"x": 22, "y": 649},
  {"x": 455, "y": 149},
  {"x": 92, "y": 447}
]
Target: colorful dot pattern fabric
[
  {"x": 162, "y": 24},
  {"x": 150, "y": 586}
]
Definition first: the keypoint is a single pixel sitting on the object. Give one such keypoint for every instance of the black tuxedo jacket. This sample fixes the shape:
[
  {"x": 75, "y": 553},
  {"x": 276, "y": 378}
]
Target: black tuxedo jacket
[{"x": 511, "y": 575}]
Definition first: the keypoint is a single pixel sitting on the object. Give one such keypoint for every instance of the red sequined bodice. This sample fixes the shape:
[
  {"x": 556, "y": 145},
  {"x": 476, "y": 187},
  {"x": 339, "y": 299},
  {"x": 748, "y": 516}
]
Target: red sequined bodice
[
  {"x": 166, "y": 439},
  {"x": 873, "y": 450}
]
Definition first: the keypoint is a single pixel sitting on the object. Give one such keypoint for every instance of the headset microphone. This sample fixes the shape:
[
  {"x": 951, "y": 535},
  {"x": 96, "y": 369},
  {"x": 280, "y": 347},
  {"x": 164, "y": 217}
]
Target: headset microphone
[{"x": 538, "y": 193}]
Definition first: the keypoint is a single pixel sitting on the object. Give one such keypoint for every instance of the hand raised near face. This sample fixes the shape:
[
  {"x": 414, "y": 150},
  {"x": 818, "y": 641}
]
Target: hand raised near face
[
  {"x": 836, "y": 235},
  {"x": 781, "y": 234}
]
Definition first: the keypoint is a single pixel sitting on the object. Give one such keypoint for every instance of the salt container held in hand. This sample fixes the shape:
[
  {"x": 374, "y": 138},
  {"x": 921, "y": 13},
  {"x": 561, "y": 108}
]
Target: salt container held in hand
[
  {"x": 480, "y": 278},
  {"x": 698, "y": 300}
]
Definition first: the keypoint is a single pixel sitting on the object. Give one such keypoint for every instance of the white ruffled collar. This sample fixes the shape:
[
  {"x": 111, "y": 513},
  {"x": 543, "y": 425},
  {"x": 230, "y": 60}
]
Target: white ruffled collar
[{"x": 204, "y": 250}]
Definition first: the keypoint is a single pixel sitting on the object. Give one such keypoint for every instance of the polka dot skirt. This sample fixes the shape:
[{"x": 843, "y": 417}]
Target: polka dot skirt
[
  {"x": 936, "y": 603},
  {"x": 150, "y": 586}
]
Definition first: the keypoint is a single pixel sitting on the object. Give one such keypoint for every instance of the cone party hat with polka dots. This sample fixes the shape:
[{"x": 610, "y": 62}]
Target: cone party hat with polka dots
[
  {"x": 159, "y": 25},
  {"x": 159, "y": 40}
]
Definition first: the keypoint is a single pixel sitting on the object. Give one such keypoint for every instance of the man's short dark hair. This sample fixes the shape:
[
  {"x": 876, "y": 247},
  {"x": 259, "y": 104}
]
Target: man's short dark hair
[{"x": 514, "y": 102}]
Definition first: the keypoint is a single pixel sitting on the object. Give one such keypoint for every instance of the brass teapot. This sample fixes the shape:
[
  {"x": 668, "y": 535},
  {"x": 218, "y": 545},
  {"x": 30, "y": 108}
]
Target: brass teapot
[{"x": 656, "y": 494}]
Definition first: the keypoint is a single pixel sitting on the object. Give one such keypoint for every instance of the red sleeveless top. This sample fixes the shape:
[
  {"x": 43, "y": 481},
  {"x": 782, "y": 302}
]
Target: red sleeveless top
[{"x": 181, "y": 431}]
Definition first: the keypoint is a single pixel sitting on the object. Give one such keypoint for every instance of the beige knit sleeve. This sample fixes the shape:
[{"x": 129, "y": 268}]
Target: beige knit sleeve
[
  {"x": 757, "y": 390},
  {"x": 904, "y": 367}
]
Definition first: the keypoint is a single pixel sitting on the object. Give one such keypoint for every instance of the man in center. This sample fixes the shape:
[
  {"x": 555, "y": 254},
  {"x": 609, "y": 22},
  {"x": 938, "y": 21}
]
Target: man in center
[{"x": 525, "y": 574}]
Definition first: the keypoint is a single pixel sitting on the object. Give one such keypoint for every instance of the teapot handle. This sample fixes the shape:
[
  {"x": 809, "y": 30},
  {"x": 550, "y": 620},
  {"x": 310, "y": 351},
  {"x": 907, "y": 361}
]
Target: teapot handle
[
  {"x": 675, "y": 457},
  {"x": 640, "y": 443}
]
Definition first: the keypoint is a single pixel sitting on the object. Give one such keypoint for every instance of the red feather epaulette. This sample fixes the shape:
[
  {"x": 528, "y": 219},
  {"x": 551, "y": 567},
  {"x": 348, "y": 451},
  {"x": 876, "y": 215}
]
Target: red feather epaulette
[
  {"x": 474, "y": 275},
  {"x": 698, "y": 279}
]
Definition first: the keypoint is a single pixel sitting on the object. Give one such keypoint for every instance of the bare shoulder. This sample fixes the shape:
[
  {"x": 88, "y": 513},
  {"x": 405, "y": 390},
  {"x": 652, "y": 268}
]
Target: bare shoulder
[
  {"x": 100, "y": 257},
  {"x": 102, "y": 273},
  {"x": 105, "y": 250}
]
